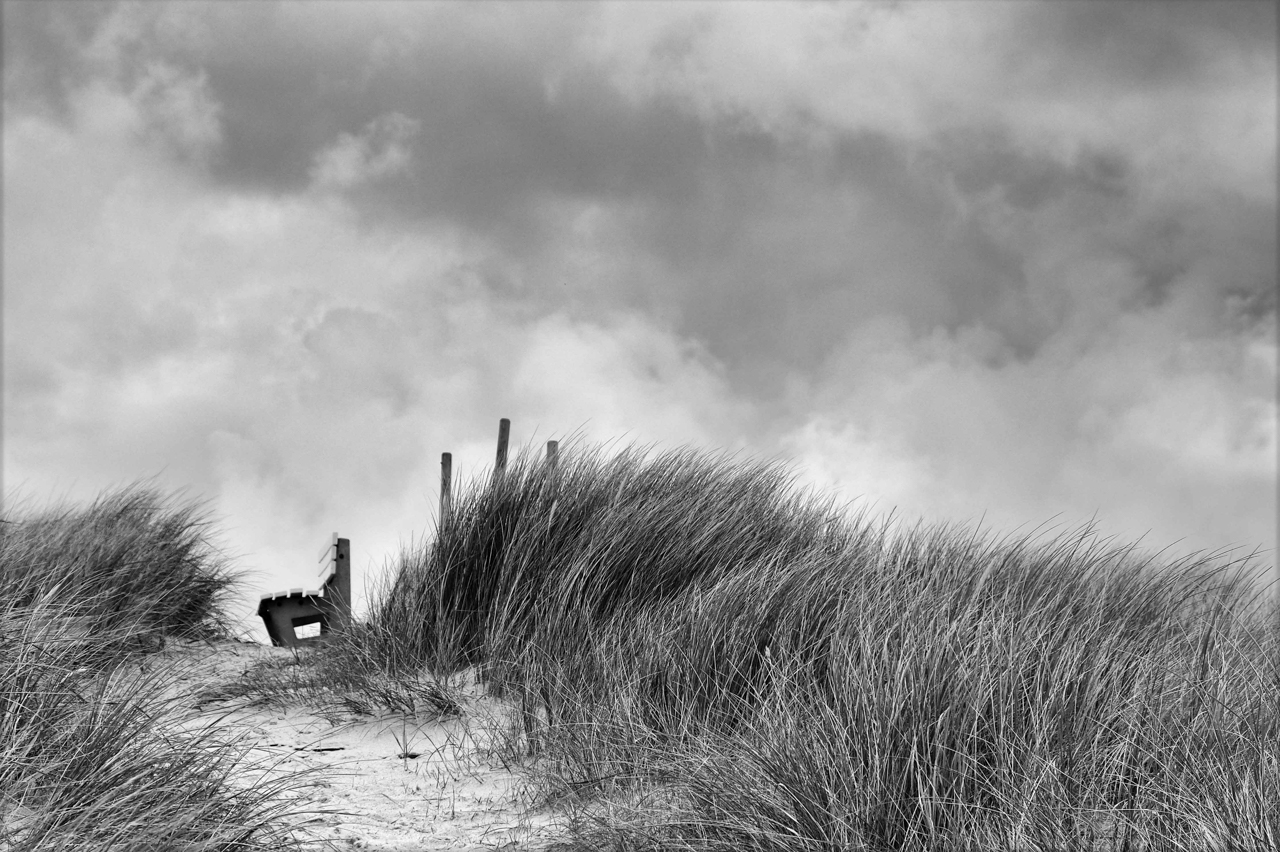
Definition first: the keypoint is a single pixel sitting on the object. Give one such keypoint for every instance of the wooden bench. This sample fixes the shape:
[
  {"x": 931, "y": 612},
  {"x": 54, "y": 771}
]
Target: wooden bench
[{"x": 329, "y": 606}]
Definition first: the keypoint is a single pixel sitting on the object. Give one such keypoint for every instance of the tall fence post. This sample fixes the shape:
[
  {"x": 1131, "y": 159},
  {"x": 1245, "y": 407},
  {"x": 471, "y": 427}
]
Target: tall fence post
[
  {"x": 504, "y": 433},
  {"x": 553, "y": 453},
  {"x": 446, "y": 486}
]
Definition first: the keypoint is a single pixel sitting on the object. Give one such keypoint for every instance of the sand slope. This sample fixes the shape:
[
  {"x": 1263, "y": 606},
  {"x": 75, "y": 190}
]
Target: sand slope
[{"x": 390, "y": 783}]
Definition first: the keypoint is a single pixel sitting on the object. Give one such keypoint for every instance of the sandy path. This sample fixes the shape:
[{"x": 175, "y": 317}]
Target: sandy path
[{"x": 449, "y": 792}]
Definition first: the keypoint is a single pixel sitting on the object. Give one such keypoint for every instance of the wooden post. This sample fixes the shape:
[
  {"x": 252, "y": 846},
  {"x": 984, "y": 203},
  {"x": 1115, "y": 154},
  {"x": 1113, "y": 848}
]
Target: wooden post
[
  {"x": 334, "y": 607},
  {"x": 553, "y": 453},
  {"x": 446, "y": 486},
  {"x": 342, "y": 584},
  {"x": 504, "y": 433}
]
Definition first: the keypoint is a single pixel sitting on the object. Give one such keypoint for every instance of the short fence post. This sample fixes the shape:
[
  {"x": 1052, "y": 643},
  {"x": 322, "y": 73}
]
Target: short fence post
[
  {"x": 446, "y": 486},
  {"x": 342, "y": 583},
  {"x": 504, "y": 433},
  {"x": 553, "y": 453}
]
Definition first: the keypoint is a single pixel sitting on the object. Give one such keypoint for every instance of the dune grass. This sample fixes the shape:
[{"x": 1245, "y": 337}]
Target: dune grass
[
  {"x": 97, "y": 752},
  {"x": 135, "y": 561},
  {"x": 710, "y": 658}
]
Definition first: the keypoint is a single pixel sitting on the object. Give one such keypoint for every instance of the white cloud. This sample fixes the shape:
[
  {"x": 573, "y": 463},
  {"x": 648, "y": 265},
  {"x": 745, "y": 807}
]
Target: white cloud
[
  {"x": 178, "y": 107},
  {"x": 625, "y": 377},
  {"x": 379, "y": 151},
  {"x": 1153, "y": 432},
  {"x": 916, "y": 70}
]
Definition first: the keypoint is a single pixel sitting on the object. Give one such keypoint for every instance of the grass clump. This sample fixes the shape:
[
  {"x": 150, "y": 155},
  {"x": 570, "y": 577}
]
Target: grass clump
[
  {"x": 97, "y": 751},
  {"x": 336, "y": 679},
  {"x": 709, "y": 658},
  {"x": 135, "y": 561}
]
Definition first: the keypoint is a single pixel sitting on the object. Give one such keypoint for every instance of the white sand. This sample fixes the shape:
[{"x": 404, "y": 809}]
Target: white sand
[{"x": 455, "y": 794}]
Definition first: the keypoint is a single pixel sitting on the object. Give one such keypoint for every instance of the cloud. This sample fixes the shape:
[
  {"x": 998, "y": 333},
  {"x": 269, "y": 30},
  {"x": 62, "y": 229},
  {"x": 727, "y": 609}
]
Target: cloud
[
  {"x": 178, "y": 111},
  {"x": 379, "y": 152},
  {"x": 1152, "y": 432},
  {"x": 1184, "y": 95},
  {"x": 1012, "y": 259},
  {"x": 626, "y": 377},
  {"x": 267, "y": 352}
]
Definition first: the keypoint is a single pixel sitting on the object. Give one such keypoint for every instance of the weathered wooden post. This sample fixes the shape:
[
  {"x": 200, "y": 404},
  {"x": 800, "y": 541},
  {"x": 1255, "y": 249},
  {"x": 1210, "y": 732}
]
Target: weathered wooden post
[
  {"x": 553, "y": 453},
  {"x": 504, "y": 433},
  {"x": 446, "y": 486},
  {"x": 341, "y": 586}
]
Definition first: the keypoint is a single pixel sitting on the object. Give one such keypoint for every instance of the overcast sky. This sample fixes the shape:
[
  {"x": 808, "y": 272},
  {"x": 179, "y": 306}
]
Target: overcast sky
[{"x": 1011, "y": 260}]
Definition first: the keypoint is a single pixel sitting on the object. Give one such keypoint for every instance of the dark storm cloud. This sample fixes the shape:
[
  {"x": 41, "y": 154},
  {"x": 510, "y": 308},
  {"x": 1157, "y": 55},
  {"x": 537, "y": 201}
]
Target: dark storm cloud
[
  {"x": 44, "y": 52},
  {"x": 1148, "y": 45},
  {"x": 500, "y": 128},
  {"x": 769, "y": 243},
  {"x": 505, "y": 136}
]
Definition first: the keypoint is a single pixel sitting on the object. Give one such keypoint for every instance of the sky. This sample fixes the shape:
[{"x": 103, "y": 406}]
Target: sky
[{"x": 1008, "y": 263}]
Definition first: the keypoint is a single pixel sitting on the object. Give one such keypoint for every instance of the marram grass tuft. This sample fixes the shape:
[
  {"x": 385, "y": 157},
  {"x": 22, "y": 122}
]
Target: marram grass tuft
[{"x": 710, "y": 658}]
